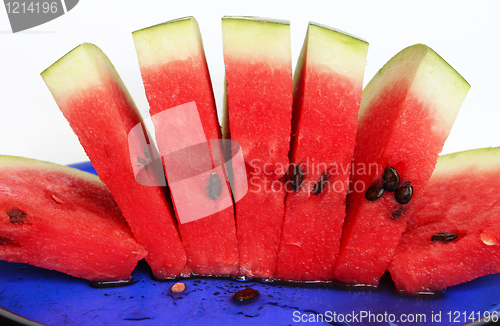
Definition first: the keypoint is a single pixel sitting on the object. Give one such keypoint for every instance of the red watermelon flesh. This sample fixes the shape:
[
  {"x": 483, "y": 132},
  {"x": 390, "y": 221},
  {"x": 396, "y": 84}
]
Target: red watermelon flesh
[
  {"x": 257, "y": 58},
  {"x": 406, "y": 113},
  {"x": 461, "y": 200},
  {"x": 99, "y": 109},
  {"x": 59, "y": 218},
  {"x": 327, "y": 93},
  {"x": 175, "y": 72}
]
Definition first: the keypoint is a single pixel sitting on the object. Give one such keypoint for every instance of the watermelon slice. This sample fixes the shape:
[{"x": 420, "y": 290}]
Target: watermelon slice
[
  {"x": 63, "y": 219},
  {"x": 327, "y": 92},
  {"x": 98, "y": 107},
  {"x": 175, "y": 72},
  {"x": 406, "y": 113},
  {"x": 453, "y": 236},
  {"x": 257, "y": 57}
]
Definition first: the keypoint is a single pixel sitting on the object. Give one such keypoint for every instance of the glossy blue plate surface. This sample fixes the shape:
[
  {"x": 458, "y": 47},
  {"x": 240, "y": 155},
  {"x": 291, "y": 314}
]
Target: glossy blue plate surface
[{"x": 53, "y": 298}]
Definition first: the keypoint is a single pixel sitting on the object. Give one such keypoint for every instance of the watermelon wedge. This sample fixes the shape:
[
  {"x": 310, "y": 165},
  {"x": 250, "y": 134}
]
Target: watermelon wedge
[
  {"x": 327, "y": 93},
  {"x": 175, "y": 73},
  {"x": 257, "y": 58},
  {"x": 406, "y": 113},
  {"x": 63, "y": 219},
  {"x": 100, "y": 111},
  {"x": 454, "y": 233}
]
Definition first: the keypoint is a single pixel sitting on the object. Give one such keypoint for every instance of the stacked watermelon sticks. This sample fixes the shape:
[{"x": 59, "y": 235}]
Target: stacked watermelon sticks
[{"x": 318, "y": 181}]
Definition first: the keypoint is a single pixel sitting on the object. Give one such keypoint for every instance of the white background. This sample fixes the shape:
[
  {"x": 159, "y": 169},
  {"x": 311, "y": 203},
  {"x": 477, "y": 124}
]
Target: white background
[{"x": 465, "y": 33}]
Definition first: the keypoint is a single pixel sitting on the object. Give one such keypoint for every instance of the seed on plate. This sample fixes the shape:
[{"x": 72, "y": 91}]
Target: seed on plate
[
  {"x": 373, "y": 193},
  {"x": 404, "y": 194},
  {"x": 178, "y": 287},
  {"x": 245, "y": 295},
  {"x": 444, "y": 237},
  {"x": 391, "y": 179}
]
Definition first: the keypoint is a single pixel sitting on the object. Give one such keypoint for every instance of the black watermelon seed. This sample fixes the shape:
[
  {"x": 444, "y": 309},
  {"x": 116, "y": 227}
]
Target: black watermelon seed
[
  {"x": 397, "y": 213},
  {"x": 214, "y": 186},
  {"x": 391, "y": 179},
  {"x": 5, "y": 241},
  {"x": 8, "y": 242},
  {"x": 444, "y": 237},
  {"x": 373, "y": 193},
  {"x": 296, "y": 178},
  {"x": 245, "y": 295},
  {"x": 404, "y": 194},
  {"x": 16, "y": 216},
  {"x": 319, "y": 186}
]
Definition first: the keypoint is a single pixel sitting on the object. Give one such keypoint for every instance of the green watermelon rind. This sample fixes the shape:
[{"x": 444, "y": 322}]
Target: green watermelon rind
[{"x": 259, "y": 19}]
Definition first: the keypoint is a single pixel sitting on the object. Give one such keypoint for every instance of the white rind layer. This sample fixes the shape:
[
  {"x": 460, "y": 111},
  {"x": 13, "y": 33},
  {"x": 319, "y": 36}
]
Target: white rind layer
[
  {"x": 83, "y": 67},
  {"x": 255, "y": 38},
  {"x": 427, "y": 77},
  {"x": 12, "y": 163},
  {"x": 481, "y": 159},
  {"x": 340, "y": 52},
  {"x": 174, "y": 40}
]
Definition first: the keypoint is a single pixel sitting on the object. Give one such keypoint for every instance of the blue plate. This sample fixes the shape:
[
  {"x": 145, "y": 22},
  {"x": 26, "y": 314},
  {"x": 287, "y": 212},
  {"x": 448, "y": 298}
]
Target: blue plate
[{"x": 53, "y": 298}]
